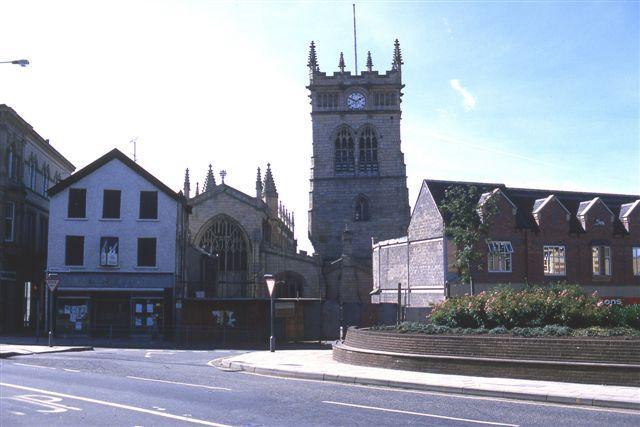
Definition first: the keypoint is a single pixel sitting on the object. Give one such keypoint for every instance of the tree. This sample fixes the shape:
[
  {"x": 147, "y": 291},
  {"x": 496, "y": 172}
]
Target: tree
[{"x": 466, "y": 224}]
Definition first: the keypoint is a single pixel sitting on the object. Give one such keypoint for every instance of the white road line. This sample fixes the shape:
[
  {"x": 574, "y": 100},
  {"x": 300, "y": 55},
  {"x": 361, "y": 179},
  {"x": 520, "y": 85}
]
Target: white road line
[
  {"x": 70, "y": 370},
  {"x": 34, "y": 366},
  {"x": 178, "y": 383},
  {"x": 397, "y": 411},
  {"x": 454, "y": 395},
  {"x": 117, "y": 405}
]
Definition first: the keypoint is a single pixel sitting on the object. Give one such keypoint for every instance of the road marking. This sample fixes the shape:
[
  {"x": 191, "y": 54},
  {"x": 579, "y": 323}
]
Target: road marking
[
  {"x": 51, "y": 403},
  {"x": 149, "y": 353},
  {"x": 157, "y": 408},
  {"x": 117, "y": 405},
  {"x": 397, "y": 411},
  {"x": 34, "y": 366},
  {"x": 454, "y": 395},
  {"x": 70, "y": 370},
  {"x": 178, "y": 383},
  {"x": 17, "y": 412}
]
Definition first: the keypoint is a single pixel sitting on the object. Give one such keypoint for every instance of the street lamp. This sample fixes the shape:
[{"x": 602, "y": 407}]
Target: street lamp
[
  {"x": 271, "y": 285},
  {"x": 20, "y": 62}
]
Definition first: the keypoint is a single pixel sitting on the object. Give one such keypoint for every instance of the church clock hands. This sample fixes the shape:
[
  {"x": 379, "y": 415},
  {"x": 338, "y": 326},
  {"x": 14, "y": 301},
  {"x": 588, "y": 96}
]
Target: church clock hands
[{"x": 356, "y": 101}]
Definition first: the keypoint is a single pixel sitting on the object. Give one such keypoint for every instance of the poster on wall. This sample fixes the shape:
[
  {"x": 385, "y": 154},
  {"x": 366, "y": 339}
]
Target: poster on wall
[
  {"x": 109, "y": 251},
  {"x": 138, "y": 308}
]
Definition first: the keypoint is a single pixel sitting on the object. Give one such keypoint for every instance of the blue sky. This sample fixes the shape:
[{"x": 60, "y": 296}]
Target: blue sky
[{"x": 532, "y": 94}]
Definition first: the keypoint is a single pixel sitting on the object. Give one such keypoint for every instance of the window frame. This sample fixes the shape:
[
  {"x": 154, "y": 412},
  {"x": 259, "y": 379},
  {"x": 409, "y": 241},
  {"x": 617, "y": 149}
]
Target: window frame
[
  {"x": 12, "y": 219},
  {"x": 635, "y": 260},
  {"x": 68, "y": 255},
  {"x": 344, "y": 151},
  {"x": 155, "y": 208},
  {"x": 601, "y": 258},
  {"x": 69, "y": 206},
  {"x": 105, "y": 240},
  {"x": 548, "y": 265},
  {"x": 140, "y": 254},
  {"x": 104, "y": 204},
  {"x": 500, "y": 253}
]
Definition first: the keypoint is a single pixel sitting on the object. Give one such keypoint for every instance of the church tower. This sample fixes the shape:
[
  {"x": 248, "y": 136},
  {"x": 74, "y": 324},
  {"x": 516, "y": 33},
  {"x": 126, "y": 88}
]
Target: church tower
[{"x": 358, "y": 174}]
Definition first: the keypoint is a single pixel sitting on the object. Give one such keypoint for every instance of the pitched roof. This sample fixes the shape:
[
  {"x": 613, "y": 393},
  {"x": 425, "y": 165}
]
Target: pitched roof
[
  {"x": 525, "y": 199},
  {"x": 97, "y": 164},
  {"x": 627, "y": 208},
  {"x": 539, "y": 204},
  {"x": 584, "y": 207}
]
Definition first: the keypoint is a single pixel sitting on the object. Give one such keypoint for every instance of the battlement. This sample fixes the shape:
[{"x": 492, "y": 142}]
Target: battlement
[{"x": 365, "y": 78}]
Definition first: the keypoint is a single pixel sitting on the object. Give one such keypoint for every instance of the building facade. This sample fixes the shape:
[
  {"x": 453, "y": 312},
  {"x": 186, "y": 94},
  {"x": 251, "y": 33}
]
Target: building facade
[
  {"x": 358, "y": 178},
  {"x": 116, "y": 245},
  {"x": 234, "y": 240},
  {"x": 29, "y": 165},
  {"x": 534, "y": 237}
]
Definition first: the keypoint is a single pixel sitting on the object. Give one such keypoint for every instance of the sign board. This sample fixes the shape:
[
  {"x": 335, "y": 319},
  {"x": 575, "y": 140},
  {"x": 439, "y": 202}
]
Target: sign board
[
  {"x": 285, "y": 309},
  {"x": 52, "y": 284}
]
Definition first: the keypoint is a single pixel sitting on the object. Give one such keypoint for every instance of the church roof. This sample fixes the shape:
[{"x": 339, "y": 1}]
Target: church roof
[{"x": 525, "y": 200}]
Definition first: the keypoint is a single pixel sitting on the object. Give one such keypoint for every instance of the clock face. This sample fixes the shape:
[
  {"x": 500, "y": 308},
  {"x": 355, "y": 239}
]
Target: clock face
[{"x": 356, "y": 101}]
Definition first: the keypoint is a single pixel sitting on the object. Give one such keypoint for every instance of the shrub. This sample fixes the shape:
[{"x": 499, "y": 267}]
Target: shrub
[{"x": 561, "y": 305}]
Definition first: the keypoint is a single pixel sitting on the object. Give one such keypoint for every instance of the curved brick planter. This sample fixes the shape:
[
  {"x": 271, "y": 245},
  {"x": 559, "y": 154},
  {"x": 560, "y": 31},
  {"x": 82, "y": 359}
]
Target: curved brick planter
[{"x": 597, "y": 361}]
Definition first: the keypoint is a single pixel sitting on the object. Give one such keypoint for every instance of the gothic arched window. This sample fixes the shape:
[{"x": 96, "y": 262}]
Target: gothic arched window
[
  {"x": 361, "y": 211},
  {"x": 368, "y": 150},
  {"x": 344, "y": 151},
  {"x": 227, "y": 247}
]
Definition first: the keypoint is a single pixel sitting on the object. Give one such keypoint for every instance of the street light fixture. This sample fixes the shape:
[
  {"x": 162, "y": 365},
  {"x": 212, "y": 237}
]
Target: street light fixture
[
  {"x": 271, "y": 286},
  {"x": 20, "y": 62}
]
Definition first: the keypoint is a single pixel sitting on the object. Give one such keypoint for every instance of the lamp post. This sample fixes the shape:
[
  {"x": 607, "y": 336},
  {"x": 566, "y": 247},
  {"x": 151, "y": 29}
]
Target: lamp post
[
  {"x": 271, "y": 285},
  {"x": 20, "y": 62}
]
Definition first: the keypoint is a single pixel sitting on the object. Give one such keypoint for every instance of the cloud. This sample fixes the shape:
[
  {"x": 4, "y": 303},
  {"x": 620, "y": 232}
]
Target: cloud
[
  {"x": 447, "y": 27},
  {"x": 469, "y": 100}
]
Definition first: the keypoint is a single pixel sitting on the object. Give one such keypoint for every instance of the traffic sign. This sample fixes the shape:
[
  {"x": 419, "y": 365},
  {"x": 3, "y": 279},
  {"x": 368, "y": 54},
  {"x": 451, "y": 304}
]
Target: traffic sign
[{"x": 52, "y": 284}]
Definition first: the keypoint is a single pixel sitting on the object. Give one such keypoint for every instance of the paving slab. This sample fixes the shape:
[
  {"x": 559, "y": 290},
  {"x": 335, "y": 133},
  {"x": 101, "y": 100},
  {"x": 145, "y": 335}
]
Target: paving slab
[
  {"x": 10, "y": 350},
  {"x": 319, "y": 365}
]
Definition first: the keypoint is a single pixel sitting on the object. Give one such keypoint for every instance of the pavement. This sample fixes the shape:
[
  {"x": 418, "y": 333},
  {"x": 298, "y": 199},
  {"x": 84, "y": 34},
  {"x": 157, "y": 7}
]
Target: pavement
[
  {"x": 9, "y": 350},
  {"x": 319, "y": 365}
]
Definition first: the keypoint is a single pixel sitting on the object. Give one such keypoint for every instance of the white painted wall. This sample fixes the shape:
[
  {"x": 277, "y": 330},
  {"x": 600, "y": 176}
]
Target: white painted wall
[{"x": 113, "y": 176}]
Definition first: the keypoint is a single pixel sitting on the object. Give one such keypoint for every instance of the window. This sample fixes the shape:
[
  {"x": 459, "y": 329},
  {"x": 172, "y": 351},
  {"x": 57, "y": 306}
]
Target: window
[
  {"x": 9, "y": 221},
  {"x": 368, "y": 150},
  {"x": 499, "y": 257},
  {"x": 45, "y": 180},
  {"x": 635, "y": 254},
  {"x": 344, "y": 154},
  {"x": 74, "y": 250},
  {"x": 147, "y": 252},
  {"x": 554, "y": 260},
  {"x": 32, "y": 174},
  {"x": 77, "y": 207},
  {"x": 10, "y": 162},
  {"x": 109, "y": 249},
  {"x": 111, "y": 204},
  {"x": 601, "y": 260},
  {"x": 361, "y": 209},
  {"x": 148, "y": 205}
]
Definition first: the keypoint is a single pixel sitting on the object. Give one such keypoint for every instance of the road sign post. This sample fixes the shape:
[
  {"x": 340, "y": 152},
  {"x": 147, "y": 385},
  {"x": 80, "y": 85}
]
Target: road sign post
[{"x": 52, "y": 282}]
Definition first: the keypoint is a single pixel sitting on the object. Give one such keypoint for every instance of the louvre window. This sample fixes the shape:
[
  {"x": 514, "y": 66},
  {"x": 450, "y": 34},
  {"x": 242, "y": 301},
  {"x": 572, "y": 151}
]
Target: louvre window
[
  {"x": 111, "y": 204},
  {"x": 499, "y": 256},
  {"x": 554, "y": 260},
  {"x": 601, "y": 260},
  {"x": 344, "y": 152},
  {"x": 74, "y": 250},
  {"x": 148, "y": 205},
  {"x": 368, "y": 151},
  {"x": 77, "y": 207},
  {"x": 147, "y": 252}
]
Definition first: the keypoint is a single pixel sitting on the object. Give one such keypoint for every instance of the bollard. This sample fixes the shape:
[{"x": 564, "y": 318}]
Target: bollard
[
  {"x": 50, "y": 339},
  {"x": 341, "y": 333}
]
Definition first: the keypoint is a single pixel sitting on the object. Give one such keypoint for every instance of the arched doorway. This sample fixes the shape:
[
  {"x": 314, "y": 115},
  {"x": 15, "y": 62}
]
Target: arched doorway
[
  {"x": 225, "y": 258},
  {"x": 290, "y": 285}
]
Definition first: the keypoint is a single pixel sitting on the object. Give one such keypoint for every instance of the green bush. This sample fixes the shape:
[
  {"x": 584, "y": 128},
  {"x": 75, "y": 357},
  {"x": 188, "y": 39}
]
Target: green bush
[{"x": 536, "y": 307}]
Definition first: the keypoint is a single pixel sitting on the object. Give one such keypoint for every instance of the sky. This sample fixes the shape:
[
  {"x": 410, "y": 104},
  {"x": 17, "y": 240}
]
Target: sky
[{"x": 539, "y": 94}]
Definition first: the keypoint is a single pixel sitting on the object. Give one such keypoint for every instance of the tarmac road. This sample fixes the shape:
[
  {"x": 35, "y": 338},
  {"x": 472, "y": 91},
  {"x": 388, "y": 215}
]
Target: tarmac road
[{"x": 139, "y": 387}]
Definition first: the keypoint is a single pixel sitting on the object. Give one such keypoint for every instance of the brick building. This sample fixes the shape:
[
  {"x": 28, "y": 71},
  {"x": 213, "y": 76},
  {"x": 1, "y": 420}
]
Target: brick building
[{"x": 535, "y": 237}]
